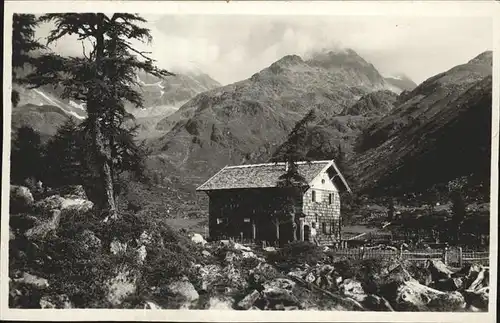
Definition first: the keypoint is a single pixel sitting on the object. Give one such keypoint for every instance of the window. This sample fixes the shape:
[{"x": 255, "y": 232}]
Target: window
[
  {"x": 332, "y": 227},
  {"x": 330, "y": 198},
  {"x": 246, "y": 220},
  {"x": 314, "y": 196},
  {"x": 325, "y": 231}
]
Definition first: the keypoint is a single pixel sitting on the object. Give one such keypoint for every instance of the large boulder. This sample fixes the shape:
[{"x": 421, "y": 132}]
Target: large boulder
[
  {"x": 478, "y": 299},
  {"x": 439, "y": 270},
  {"x": 65, "y": 204},
  {"x": 248, "y": 301},
  {"x": 25, "y": 290},
  {"x": 141, "y": 253},
  {"x": 117, "y": 247},
  {"x": 325, "y": 276},
  {"x": 278, "y": 295},
  {"x": 149, "y": 305},
  {"x": 121, "y": 286},
  {"x": 297, "y": 273},
  {"x": 183, "y": 289},
  {"x": 405, "y": 293},
  {"x": 45, "y": 228},
  {"x": 32, "y": 280},
  {"x": 198, "y": 239},
  {"x": 238, "y": 246},
  {"x": 220, "y": 303},
  {"x": 353, "y": 289},
  {"x": 413, "y": 296},
  {"x": 209, "y": 276},
  {"x": 279, "y": 284},
  {"x": 477, "y": 278},
  {"x": 21, "y": 199},
  {"x": 55, "y": 301}
]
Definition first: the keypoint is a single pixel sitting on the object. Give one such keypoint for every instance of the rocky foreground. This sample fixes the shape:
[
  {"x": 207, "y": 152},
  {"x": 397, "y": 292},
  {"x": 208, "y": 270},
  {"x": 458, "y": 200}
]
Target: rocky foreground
[{"x": 62, "y": 256}]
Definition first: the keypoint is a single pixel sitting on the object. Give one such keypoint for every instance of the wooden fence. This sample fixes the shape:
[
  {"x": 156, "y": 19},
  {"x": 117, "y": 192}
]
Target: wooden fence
[{"x": 451, "y": 256}]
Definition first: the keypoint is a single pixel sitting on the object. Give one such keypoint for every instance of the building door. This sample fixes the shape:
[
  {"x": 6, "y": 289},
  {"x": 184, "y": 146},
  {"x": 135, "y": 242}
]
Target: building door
[{"x": 307, "y": 233}]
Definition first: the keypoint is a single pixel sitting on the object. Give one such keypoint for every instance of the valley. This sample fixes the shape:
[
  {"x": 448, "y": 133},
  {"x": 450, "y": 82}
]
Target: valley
[{"x": 193, "y": 126}]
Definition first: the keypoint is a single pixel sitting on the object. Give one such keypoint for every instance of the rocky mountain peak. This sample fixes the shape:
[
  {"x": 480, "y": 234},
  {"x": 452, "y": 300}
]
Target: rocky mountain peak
[
  {"x": 337, "y": 58},
  {"x": 290, "y": 60},
  {"x": 286, "y": 62},
  {"x": 485, "y": 58}
]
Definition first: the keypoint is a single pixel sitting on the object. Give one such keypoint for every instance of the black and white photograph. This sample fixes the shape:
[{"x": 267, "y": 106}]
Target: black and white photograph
[{"x": 289, "y": 161}]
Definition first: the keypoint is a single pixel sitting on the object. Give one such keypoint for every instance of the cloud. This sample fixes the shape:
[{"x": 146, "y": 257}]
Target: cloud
[{"x": 232, "y": 48}]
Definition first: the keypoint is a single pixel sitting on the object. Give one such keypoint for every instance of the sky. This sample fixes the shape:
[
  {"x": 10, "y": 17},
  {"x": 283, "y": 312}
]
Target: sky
[{"x": 233, "y": 48}]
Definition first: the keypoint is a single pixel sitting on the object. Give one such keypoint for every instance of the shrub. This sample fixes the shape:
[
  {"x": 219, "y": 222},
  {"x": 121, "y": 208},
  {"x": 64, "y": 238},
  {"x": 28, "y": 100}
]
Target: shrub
[
  {"x": 297, "y": 253},
  {"x": 249, "y": 263}
]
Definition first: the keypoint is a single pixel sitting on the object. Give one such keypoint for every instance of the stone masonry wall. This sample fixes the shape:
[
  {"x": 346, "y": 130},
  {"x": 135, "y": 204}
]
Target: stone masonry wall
[{"x": 323, "y": 214}]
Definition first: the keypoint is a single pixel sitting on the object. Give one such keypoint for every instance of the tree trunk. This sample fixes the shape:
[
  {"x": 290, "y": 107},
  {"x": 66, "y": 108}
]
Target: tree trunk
[
  {"x": 100, "y": 161},
  {"x": 99, "y": 182}
]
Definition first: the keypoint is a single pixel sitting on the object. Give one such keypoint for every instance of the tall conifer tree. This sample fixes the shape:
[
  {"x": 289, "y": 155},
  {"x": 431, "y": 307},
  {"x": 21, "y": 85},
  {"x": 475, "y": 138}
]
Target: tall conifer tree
[{"x": 103, "y": 78}]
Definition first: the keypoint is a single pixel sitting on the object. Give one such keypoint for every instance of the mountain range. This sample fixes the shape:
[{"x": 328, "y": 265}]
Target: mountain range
[
  {"x": 396, "y": 136},
  {"x": 246, "y": 121}
]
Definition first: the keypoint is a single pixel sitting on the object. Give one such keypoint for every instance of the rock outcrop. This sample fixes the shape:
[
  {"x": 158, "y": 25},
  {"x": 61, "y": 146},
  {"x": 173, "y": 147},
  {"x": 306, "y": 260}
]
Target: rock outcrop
[{"x": 21, "y": 199}]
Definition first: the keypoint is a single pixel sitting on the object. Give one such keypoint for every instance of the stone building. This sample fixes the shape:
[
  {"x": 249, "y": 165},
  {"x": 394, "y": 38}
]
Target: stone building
[{"x": 248, "y": 202}]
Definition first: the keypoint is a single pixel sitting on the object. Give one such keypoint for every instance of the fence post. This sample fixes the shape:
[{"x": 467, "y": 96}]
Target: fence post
[{"x": 460, "y": 257}]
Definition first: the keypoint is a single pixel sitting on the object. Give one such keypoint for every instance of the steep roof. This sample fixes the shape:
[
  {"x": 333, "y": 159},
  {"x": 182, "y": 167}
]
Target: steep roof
[{"x": 264, "y": 175}]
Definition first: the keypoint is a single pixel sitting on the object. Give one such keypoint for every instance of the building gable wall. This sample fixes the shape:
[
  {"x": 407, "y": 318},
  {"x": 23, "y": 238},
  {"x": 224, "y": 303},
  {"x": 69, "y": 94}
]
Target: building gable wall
[{"x": 324, "y": 209}]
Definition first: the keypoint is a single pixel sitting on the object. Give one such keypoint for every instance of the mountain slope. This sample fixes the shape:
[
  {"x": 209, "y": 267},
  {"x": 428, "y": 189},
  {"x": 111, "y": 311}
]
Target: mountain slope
[
  {"x": 45, "y": 119},
  {"x": 439, "y": 131},
  {"x": 326, "y": 136},
  {"x": 376, "y": 103},
  {"x": 247, "y": 120},
  {"x": 162, "y": 94},
  {"x": 162, "y": 97}
]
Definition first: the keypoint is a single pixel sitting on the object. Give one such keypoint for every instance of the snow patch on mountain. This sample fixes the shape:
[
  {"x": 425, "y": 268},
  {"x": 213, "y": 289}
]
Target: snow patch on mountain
[
  {"x": 76, "y": 105},
  {"x": 59, "y": 105}
]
